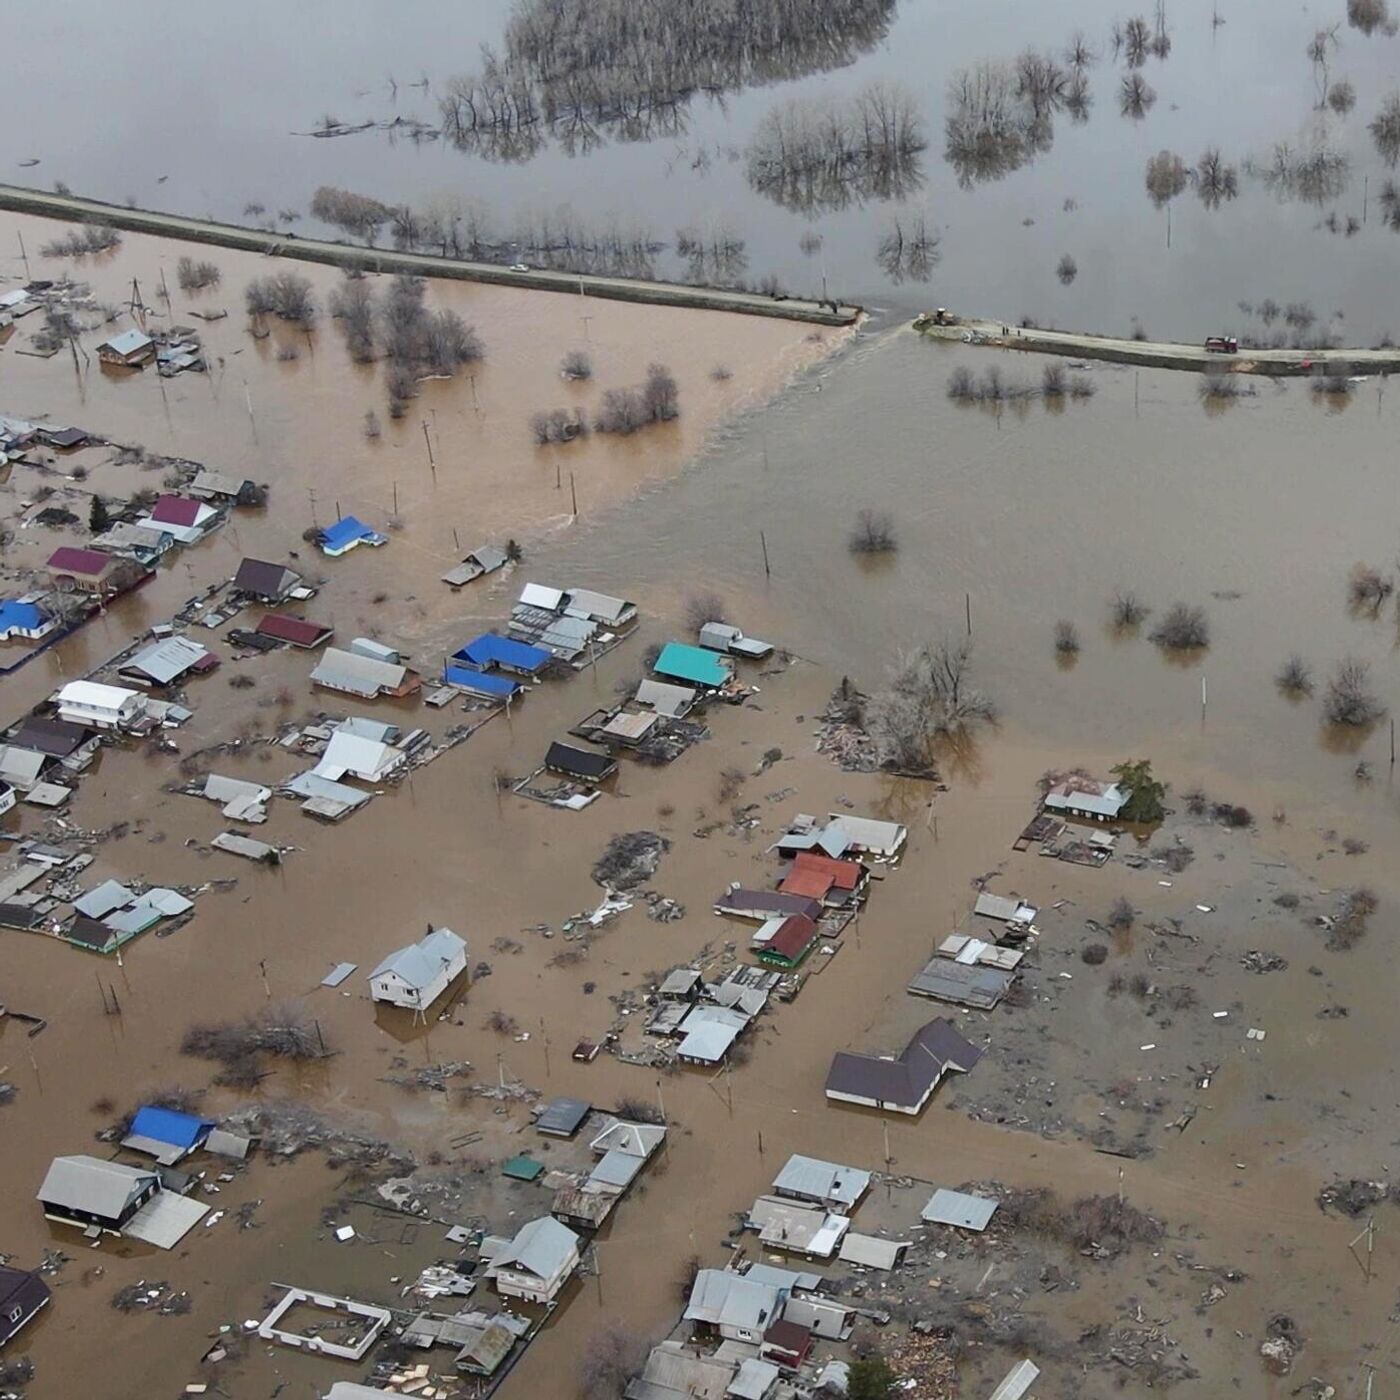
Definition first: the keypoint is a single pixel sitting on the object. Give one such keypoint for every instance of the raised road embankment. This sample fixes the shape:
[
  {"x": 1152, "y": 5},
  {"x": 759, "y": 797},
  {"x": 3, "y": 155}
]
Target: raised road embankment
[
  {"x": 287, "y": 245},
  {"x": 1159, "y": 354}
]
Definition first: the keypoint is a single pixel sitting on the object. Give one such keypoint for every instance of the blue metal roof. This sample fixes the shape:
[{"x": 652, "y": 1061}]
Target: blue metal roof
[
  {"x": 346, "y": 531},
  {"x": 25, "y": 616},
  {"x": 166, "y": 1125},
  {"x": 491, "y": 650},
  {"x": 478, "y": 681}
]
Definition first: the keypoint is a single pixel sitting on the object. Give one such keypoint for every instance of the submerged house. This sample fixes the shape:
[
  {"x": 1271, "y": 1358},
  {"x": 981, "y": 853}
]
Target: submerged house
[
  {"x": 347, "y": 533},
  {"x": 827, "y": 1184},
  {"x": 706, "y": 670},
  {"x": 23, "y": 618},
  {"x": 95, "y": 1194},
  {"x": 489, "y": 652},
  {"x": 23, "y": 1294},
  {"x": 838, "y": 884},
  {"x": 475, "y": 565},
  {"x": 537, "y": 1263},
  {"x": 904, "y": 1083},
  {"x": 128, "y": 349},
  {"x": 363, "y": 675},
  {"x": 570, "y": 622},
  {"x": 265, "y": 581},
  {"x": 185, "y": 520},
  {"x": 90, "y": 571},
  {"x": 787, "y": 945},
  {"x": 1087, "y": 799},
  {"x": 586, "y": 766},
  {"x": 100, "y": 706},
  {"x": 737, "y": 1307},
  {"x": 416, "y": 975},
  {"x": 144, "y": 543},
  {"x": 165, "y": 1134},
  {"x": 721, "y": 637},
  {"x": 165, "y": 662}
]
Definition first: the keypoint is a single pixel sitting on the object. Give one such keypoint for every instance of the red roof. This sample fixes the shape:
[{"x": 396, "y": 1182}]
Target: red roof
[
  {"x": 296, "y": 630},
  {"x": 790, "y": 1338},
  {"x": 812, "y": 884},
  {"x": 176, "y": 510},
  {"x": 793, "y": 938},
  {"x": 844, "y": 874},
  {"x": 69, "y": 560}
]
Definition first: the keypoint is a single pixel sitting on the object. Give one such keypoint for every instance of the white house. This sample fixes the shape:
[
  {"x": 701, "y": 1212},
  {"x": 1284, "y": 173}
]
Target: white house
[
  {"x": 740, "y": 1309},
  {"x": 1087, "y": 798},
  {"x": 100, "y": 706},
  {"x": 537, "y": 1263},
  {"x": 417, "y": 975}
]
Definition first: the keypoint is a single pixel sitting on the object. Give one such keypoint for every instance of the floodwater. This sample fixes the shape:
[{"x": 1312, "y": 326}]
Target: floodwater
[
  {"x": 204, "y": 110},
  {"x": 1256, "y": 513}
]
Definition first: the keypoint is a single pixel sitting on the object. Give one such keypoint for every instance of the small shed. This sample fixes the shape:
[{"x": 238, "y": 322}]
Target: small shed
[
  {"x": 522, "y": 1167},
  {"x": 130, "y": 349},
  {"x": 959, "y": 1209},
  {"x": 562, "y": 1117}
]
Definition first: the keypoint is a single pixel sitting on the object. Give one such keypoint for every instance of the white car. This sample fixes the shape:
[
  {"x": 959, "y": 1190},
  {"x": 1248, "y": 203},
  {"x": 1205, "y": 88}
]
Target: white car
[{"x": 519, "y": 267}]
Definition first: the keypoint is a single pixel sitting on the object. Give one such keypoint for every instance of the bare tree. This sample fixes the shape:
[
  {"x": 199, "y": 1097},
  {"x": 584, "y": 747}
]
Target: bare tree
[
  {"x": 1127, "y": 609},
  {"x": 929, "y": 692},
  {"x": 1216, "y": 181},
  {"x": 352, "y": 304},
  {"x": 1341, "y": 97},
  {"x": 1136, "y": 41},
  {"x": 1385, "y": 129},
  {"x": 1080, "y": 53},
  {"x": 661, "y": 394},
  {"x": 577, "y": 364},
  {"x": 1368, "y": 588},
  {"x": 1066, "y": 638},
  {"x": 194, "y": 275},
  {"x": 287, "y": 295},
  {"x": 357, "y": 214},
  {"x": 1067, "y": 270},
  {"x": 1166, "y": 177},
  {"x": 701, "y": 607},
  {"x": 1136, "y": 96},
  {"x": 1370, "y": 15},
  {"x": 1349, "y": 699},
  {"x": 1182, "y": 628},
  {"x": 1295, "y": 676},
  {"x": 1052, "y": 380},
  {"x": 611, "y": 1357},
  {"x": 873, "y": 533}
]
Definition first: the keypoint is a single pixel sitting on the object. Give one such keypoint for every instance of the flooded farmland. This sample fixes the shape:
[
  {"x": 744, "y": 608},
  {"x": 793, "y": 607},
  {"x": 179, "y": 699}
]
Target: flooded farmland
[{"x": 659, "y": 153}]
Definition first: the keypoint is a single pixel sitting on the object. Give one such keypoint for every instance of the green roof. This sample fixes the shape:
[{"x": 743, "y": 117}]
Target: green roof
[
  {"x": 693, "y": 664},
  {"x": 522, "y": 1168}
]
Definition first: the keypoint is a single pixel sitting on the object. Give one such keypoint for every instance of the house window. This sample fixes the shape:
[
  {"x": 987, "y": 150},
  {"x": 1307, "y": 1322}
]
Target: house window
[{"x": 17, "y": 1314}]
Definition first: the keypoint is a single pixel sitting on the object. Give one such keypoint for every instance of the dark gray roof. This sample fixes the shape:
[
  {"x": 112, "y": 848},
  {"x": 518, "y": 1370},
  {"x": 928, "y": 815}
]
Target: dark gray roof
[
  {"x": 263, "y": 579},
  {"x": 581, "y": 763},
  {"x": 946, "y": 980},
  {"x": 562, "y": 1116},
  {"x": 55, "y": 737},
  {"x": 935, "y": 1048},
  {"x": 762, "y": 902}
]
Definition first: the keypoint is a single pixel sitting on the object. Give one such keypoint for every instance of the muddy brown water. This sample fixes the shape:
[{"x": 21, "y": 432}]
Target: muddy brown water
[
  {"x": 1036, "y": 516},
  {"x": 230, "y": 127}
]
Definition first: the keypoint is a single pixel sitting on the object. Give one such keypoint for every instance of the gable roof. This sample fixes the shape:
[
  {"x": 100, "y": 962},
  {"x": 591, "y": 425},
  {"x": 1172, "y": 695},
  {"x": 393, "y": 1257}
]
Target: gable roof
[
  {"x": 759, "y": 904},
  {"x": 582, "y": 763},
  {"x": 263, "y": 578},
  {"x": 1087, "y": 795},
  {"x": 296, "y": 630},
  {"x": 673, "y": 701},
  {"x": 843, "y": 874},
  {"x": 540, "y": 1247},
  {"x": 17, "y": 614},
  {"x": 481, "y": 682},
  {"x": 179, "y": 510},
  {"x": 358, "y": 675},
  {"x": 155, "y": 1129},
  {"x": 348, "y": 531},
  {"x": 821, "y": 1181},
  {"x": 724, "y": 1299},
  {"x": 126, "y": 342},
  {"x": 694, "y": 664},
  {"x": 55, "y": 737},
  {"x": 793, "y": 938},
  {"x": 168, "y": 659},
  {"x": 91, "y": 1184},
  {"x": 86, "y": 562},
  {"x": 490, "y": 650},
  {"x": 419, "y": 964},
  {"x": 935, "y": 1048}
]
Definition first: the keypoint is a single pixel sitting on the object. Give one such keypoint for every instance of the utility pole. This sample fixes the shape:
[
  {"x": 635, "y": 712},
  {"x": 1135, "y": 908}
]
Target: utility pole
[
  {"x": 432, "y": 461},
  {"x": 763, "y": 540},
  {"x": 23, "y": 255},
  {"x": 573, "y": 493},
  {"x": 661, "y": 1100},
  {"x": 967, "y": 599}
]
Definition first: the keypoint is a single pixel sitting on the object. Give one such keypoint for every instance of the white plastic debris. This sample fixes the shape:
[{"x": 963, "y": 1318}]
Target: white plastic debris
[{"x": 345, "y": 1232}]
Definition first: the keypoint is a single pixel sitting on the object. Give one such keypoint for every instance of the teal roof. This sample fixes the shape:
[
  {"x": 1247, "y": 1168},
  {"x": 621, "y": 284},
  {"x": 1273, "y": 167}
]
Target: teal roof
[
  {"x": 522, "y": 1168},
  {"x": 693, "y": 664}
]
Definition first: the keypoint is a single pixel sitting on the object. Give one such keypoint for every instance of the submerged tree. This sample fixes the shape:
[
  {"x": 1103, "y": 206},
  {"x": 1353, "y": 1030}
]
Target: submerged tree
[
  {"x": 1349, "y": 700},
  {"x": 1136, "y": 96},
  {"x": 1216, "y": 181},
  {"x": 1145, "y": 793},
  {"x": 1166, "y": 177},
  {"x": 1385, "y": 130}
]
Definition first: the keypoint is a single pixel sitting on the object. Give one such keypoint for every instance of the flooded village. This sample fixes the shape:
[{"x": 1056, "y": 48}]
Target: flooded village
[{"x": 563, "y": 838}]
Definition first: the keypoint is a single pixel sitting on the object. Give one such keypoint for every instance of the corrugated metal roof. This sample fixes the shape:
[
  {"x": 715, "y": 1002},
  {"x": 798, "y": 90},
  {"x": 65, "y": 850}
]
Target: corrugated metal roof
[
  {"x": 264, "y": 579},
  {"x": 169, "y": 1126},
  {"x": 88, "y": 563},
  {"x": 673, "y": 701},
  {"x": 816, "y": 1180},
  {"x": 693, "y": 664},
  {"x": 872, "y": 1251},
  {"x": 366, "y": 759},
  {"x": 91, "y": 1184},
  {"x": 1018, "y": 1381},
  {"x": 958, "y": 1208},
  {"x": 92, "y": 694},
  {"x": 100, "y": 901},
  {"x": 489, "y": 650},
  {"x": 420, "y": 964},
  {"x": 126, "y": 343},
  {"x": 540, "y": 1247},
  {"x": 480, "y": 682},
  {"x": 600, "y": 605},
  {"x": 296, "y": 630},
  {"x": 179, "y": 510},
  {"x": 167, "y": 660},
  {"x": 538, "y": 595},
  {"x": 357, "y": 675},
  {"x": 725, "y": 1299},
  {"x": 346, "y": 533},
  {"x": 946, "y": 980}
]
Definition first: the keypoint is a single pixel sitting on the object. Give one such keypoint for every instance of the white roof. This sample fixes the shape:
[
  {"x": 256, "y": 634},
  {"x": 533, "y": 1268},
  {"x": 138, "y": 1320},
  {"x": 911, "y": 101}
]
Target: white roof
[
  {"x": 790, "y": 1225},
  {"x": 1018, "y": 1381},
  {"x": 635, "y": 1139},
  {"x": 880, "y": 838},
  {"x": 538, "y": 595},
  {"x": 958, "y": 1208},
  {"x": 102, "y": 899},
  {"x": 709, "y": 1032},
  {"x": 21, "y": 766},
  {"x": 1079, "y": 795},
  {"x": 124, "y": 342},
  {"x": 92, "y": 695},
  {"x": 1009, "y": 909},
  {"x": 367, "y": 759}
]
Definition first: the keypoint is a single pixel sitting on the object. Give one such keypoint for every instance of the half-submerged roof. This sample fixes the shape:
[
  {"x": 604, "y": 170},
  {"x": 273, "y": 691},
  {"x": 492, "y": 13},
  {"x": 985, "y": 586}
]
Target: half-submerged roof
[
  {"x": 907, "y": 1081},
  {"x": 540, "y": 1247},
  {"x": 817, "y": 1180},
  {"x": 419, "y": 964}
]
